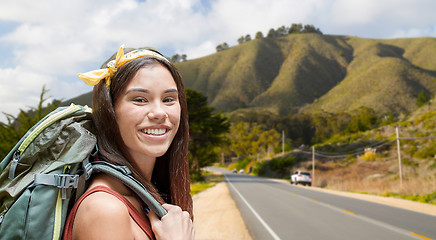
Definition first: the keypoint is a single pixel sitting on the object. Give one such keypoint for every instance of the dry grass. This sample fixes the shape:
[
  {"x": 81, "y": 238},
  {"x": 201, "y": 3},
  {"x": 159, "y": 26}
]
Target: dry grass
[
  {"x": 378, "y": 172},
  {"x": 380, "y": 177},
  {"x": 210, "y": 180}
]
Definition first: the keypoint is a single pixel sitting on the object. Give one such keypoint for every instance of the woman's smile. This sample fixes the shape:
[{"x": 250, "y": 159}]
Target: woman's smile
[{"x": 154, "y": 131}]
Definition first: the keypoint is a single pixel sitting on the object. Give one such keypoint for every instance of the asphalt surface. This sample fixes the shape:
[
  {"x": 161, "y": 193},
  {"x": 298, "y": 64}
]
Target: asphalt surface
[{"x": 274, "y": 210}]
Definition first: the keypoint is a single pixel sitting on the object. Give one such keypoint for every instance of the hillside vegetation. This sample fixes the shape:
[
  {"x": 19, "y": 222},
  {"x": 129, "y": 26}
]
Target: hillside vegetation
[
  {"x": 312, "y": 72},
  {"x": 367, "y": 161}
]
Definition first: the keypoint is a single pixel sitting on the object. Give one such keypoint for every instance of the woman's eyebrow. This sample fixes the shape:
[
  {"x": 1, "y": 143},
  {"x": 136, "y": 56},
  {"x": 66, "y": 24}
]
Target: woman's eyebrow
[
  {"x": 137, "y": 90},
  {"x": 171, "y": 90},
  {"x": 147, "y": 91}
]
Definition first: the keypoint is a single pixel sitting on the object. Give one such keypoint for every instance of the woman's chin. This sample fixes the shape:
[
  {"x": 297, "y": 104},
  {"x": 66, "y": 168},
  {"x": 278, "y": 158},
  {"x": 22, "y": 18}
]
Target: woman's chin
[{"x": 158, "y": 152}]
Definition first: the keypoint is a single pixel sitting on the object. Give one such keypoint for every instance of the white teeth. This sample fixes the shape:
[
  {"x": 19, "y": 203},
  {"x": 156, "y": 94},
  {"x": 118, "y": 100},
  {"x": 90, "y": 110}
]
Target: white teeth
[{"x": 154, "y": 131}]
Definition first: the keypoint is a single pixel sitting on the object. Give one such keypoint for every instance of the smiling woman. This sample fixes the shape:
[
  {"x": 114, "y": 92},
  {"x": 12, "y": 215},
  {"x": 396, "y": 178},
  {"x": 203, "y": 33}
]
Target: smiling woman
[
  {"x": 140, "y": 114},
  {"x": 148, "y": 115}
]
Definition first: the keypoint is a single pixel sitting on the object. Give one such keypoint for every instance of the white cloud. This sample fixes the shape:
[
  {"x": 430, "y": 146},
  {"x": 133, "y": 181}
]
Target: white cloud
[
  {"x": 413, "y": 32},
  {"x": 53, "y": 40},
  {"x": 20, "y": 89},
  {"x": 354, "y": 12},
  {"x": 239, "y": 18},
  {"x": 199, "y": 51}
]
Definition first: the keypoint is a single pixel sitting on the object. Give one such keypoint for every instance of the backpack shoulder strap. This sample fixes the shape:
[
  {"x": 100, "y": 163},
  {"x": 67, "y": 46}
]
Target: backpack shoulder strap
[{"x": 123, "y": 174}]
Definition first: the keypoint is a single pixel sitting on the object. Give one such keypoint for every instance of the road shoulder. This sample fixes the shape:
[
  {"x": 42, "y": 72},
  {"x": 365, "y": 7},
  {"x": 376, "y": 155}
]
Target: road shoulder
[{"x": 216, "y": 215}]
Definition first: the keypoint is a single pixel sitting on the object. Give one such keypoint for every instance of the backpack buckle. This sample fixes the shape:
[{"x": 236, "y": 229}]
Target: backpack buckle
[
  {"x": 87, "y": 169},
  {"x": 14, "y": 164},
  {"x": 66, "y": 181}
]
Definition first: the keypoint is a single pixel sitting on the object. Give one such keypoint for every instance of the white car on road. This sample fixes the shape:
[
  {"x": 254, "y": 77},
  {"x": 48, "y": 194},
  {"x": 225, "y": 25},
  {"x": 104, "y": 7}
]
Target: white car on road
[{"x": 301, "y": 177}]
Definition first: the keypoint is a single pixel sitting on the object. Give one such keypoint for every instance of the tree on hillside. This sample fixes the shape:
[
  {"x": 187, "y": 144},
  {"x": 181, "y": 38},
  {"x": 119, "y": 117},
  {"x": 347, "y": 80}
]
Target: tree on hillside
[
  {"x": 387, "y": 118},
  {"x": 241, "y": 40},
  {"x": 259, "y": 35},
  {"x": 327, "y": 124},
  {"x": 363, "y": 119},
  {"x": 251, "y": 139},
  {"x": 247, "y": 38},
  {"x": 311, "y": 29},
  {"x": 271, "y": 33},
  {"x": 178, "y": 58},
  {"x": 222, "y": 46},
  {"x": 268, "y": 119},
  {"x": 300, "y": 128},
  {"x": 422, "y": 99},
  {"x": 205, "y": 131},
  {"x": 295, "y": 28},
  {"x": 282, "y": 31}
]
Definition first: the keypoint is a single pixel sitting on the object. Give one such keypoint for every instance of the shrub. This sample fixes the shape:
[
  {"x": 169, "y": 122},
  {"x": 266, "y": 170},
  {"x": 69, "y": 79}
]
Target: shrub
[
  {"x": 407, "y": 162},
  {"x": 196, "y": 177},
  {"x": 410, "y": 150},
  {"x": 282, "y": 165},
  {"x": 350, "y": 159},
  {"x": 425, "y": 198},
  {"x": 259, "y": 168},
  {"x": 242, "y": 164},
  {"x": 432, "y": 166},
  {"x": 428, "y": 151},
  {"x": 369, "y": 156},
  {"x": 232, "y": 166}
]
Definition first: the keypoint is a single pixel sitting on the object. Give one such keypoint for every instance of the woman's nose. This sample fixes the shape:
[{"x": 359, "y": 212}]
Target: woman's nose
[{"x": 157, "y": 112}]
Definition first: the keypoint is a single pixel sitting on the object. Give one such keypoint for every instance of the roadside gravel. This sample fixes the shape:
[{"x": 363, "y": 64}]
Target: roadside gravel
[{"x": 216, "y": 215}]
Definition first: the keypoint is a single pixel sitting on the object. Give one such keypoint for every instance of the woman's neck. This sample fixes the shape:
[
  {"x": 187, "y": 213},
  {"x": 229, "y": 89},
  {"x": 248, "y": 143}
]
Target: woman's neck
[{"x": 145, "y": 164}]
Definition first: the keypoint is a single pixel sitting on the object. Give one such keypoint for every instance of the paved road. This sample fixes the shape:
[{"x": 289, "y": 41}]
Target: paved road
[{"x": 274, "y": 210}]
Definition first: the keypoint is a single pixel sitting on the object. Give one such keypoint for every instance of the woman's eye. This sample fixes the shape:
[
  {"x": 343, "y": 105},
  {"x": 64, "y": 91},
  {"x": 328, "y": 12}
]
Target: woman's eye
[
  {"x": 140, "y": 100},
  {"x": 169, "y": 99}
]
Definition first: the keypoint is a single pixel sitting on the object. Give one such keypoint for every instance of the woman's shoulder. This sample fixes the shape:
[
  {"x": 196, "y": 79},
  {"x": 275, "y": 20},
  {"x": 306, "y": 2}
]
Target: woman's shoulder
[
  {"x": 102, "y": 214},
  {"x": 103, "y": 202}
]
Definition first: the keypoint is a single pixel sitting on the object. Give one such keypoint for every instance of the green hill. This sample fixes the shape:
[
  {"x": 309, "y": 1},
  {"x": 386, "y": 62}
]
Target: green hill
[
  {"x": 313, "y": 72},
  {"x": 386, "y": 75}
]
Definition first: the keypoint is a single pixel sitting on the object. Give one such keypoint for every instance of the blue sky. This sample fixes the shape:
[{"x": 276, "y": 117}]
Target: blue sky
[{"x": 47, "y": 42}]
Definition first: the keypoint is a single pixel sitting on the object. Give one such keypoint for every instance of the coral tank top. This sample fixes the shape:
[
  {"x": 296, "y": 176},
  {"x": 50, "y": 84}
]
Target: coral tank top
[{"x": 142, "y": 222}]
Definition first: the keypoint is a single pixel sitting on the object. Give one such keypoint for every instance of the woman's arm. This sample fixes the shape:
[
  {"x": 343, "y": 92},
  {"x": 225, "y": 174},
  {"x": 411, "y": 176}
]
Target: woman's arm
[{"x": 176, "y": 224}]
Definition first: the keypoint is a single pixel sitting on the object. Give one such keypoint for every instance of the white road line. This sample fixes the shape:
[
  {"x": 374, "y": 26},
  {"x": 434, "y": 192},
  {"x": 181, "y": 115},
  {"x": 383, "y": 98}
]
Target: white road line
[{"x": 273, "y": 234}]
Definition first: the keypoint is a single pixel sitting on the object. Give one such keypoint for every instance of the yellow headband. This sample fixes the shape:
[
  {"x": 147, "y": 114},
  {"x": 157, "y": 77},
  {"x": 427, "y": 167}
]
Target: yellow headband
[{"x": 94, "y": 77}]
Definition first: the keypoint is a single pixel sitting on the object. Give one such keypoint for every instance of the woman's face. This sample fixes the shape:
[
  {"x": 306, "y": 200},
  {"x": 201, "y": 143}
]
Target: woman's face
[{"x": 148, "y": 112}]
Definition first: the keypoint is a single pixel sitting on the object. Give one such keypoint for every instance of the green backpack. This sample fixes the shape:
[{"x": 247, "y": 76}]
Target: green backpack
[{"x": 47, "y": 171}]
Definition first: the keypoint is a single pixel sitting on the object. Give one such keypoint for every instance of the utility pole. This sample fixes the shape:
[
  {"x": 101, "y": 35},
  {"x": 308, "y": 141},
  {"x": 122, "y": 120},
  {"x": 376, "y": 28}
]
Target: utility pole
[
  {"x": 283, "y": 142},
  {"x": 313, "y": 165},
  {"x": 399, "y": 157}
]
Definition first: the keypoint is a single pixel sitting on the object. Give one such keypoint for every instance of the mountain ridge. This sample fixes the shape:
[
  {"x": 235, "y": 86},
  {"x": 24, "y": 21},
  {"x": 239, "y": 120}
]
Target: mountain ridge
[{"x": 313, "y": 72}]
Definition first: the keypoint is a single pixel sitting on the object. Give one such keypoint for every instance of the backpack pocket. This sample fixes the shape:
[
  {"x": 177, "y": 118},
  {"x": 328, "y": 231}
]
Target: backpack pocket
[{"x": 39, "y": 213}]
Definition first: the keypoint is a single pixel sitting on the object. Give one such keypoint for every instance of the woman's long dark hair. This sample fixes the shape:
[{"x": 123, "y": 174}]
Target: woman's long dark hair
[{"x": 170, "y": 180}]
